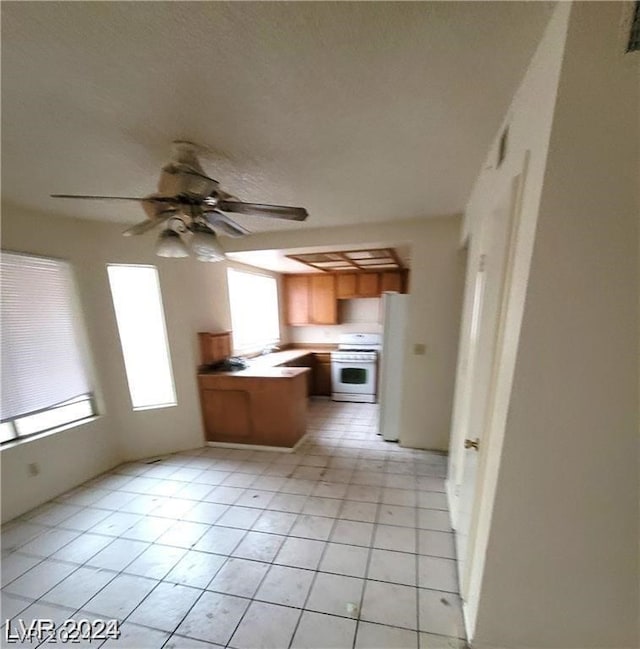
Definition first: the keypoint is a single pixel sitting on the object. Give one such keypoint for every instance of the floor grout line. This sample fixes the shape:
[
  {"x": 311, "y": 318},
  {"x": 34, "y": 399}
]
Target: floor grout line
[{"x": 336, "y": 458}]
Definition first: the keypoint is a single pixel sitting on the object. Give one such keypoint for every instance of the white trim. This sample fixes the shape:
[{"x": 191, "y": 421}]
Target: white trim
[
  {"x": 34, "y": 437},
  {"x": 154, "y": 407},
  {"x": 503, "y": 365},
  {"x": 254, "y": 348},
  {"x": 168, "y": 396},
  {"x": 355, "y": 398},
  {"x": 452, "y": 500},
  {"x": 260, "y": 447}
]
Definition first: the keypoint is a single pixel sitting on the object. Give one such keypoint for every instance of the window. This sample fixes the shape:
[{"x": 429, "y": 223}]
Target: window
[
  {"x": 45, "y": 383},
  {"x": 138, "y": 305},
  {"x": 255, "y": 320}
]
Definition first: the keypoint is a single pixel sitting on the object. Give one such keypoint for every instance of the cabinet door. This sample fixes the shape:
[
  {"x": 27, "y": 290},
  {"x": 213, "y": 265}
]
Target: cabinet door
[
  {"x": 214, "y": 347},
  {"x": 296, "y": 292},
  {"x": 391, "y": 281},
  {"x": 306, "y": 361},
  {"x": 323, "y": 301},
  {"x": 346, "y": 286},
  {"x": 368, "y": 285},
  {"x": 322, "y": 379},
  {"x": 226, "y": 414}
]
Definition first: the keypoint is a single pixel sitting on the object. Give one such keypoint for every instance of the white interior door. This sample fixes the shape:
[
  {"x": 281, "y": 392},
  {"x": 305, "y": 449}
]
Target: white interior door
[{"x": 488, "y": 303}]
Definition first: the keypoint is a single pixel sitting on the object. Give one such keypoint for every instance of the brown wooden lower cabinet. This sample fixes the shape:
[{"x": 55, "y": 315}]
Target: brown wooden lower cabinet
[
  {"x": 319, "y": 379},
  {"x": 322, "y": 375},
  {"x": 306, "y": 361},
  {"x": 266, "y": 407},
  {"x": 227, "y": 412}
]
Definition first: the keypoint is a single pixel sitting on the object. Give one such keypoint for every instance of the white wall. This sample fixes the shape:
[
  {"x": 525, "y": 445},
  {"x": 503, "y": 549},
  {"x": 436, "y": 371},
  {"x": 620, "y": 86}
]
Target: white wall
[
  {"x": 65, "y": 459},
  {"x": 437, "y": 275},
  {"x": 529, "y": 120},
  {"x": 561, "y": 564},
  {"x": 195, "y": 299}
]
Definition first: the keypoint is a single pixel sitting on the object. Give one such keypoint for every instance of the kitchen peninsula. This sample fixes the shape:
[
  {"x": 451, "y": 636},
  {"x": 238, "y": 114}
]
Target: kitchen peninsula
[{"x": 262, "y": 405}]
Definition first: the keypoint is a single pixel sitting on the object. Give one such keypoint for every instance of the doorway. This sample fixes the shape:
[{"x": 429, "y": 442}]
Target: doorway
[{"x": 488, "y": 280}]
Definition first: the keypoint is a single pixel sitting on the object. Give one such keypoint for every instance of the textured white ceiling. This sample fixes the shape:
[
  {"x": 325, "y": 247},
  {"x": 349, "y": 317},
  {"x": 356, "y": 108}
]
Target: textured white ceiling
[{"x": 359, "y": 112}]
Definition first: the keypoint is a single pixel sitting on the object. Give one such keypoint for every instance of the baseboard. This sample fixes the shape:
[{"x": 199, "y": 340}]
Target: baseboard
[{"x": 259, "y": 447}]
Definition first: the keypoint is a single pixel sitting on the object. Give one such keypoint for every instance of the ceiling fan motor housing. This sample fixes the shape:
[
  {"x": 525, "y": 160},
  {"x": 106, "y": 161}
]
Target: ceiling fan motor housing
[
  {"x": 179, "y": 180},
  {"x": 184, "y": 176},
  {"x": 187, "y": 199}
]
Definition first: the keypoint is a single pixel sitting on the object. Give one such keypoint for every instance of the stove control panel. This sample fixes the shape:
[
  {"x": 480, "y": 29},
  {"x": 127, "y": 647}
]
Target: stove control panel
[{"x": 361, "y": 357}]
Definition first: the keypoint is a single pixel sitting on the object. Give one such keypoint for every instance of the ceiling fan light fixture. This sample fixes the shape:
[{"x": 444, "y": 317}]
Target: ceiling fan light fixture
[
  {"x": 189, "y": 200},
  {"x": 204, "y": 245},
  {"x": 171, "y": 245}
]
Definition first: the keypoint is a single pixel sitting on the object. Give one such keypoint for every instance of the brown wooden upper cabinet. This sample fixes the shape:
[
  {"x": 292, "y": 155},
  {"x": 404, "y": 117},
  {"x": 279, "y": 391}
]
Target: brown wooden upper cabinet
[
  {"x": 350, "y": 285},
  {"x": 310, "y": 299},
  {"x": 391, "y": 281},
  {"x": 368, "y": 284},
  {"x": 313, "y": 298},
  {"x": 322, "y": 296},
  {"x": 296, "y": 290},
  {"x": 346, "y": 286}
]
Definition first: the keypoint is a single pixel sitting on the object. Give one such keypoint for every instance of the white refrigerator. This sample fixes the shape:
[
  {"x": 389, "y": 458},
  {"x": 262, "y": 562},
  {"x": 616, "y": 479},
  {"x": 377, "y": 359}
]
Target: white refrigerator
[{"x": 394, "y": 325}]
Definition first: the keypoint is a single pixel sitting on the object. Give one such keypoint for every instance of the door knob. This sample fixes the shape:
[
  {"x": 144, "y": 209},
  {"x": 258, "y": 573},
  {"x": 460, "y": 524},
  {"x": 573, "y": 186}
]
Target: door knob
[{"x": 472, "y": 443}]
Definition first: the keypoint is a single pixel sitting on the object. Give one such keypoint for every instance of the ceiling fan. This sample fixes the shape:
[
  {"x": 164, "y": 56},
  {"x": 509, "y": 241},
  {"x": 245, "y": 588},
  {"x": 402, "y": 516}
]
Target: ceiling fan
[{"x": 188, "y": 200}]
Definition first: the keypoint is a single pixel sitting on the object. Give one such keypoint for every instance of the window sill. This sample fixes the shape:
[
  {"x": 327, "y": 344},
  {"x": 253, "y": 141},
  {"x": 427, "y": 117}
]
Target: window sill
[
  {"x": 158, "y": 406},
  {"x": 19, "y": 441}
]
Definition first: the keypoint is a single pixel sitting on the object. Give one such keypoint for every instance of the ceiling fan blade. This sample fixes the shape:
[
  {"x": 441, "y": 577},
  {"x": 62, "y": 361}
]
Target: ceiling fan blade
[
  {"x": 149, "y": 224},
  {"x": 177, "y": 180},
  {"x": 222, "y": 222},
  {"x": 257, "y": 209},
  {"x": 149, "y": 199},
  {"x": 224, "y": 196}
]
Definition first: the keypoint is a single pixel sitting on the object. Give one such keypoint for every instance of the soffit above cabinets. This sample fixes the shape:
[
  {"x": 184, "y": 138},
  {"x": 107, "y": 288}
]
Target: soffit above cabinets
[
  {"x": 282, "y": 260},
  {"x": 351, "y": 260}
]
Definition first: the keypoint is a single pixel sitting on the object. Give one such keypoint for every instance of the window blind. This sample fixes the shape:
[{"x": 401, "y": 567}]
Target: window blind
[{"x": 42, "y": 363}]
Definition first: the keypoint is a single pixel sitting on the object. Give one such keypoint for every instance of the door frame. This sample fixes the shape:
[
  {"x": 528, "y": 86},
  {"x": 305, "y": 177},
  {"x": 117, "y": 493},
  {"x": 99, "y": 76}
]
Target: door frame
[{"x": 492, "y": 440}]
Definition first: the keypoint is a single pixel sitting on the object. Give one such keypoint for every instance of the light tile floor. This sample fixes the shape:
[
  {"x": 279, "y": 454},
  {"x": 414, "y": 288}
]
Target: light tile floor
[{"x": 343, "y": 544}]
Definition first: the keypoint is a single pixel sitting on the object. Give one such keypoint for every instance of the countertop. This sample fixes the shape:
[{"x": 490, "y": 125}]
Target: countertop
[
  {"x": 262, "y": 373},
  {"x": 279, "y": 358},
  {"x": 268, "y": 365}
]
